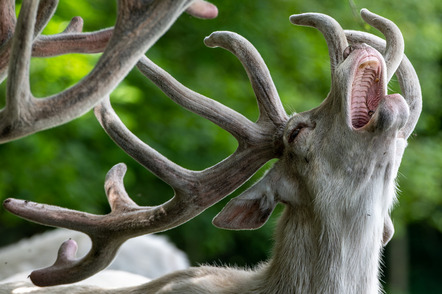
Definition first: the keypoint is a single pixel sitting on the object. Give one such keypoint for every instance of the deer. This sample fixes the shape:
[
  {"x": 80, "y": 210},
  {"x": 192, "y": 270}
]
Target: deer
[{"x": 335, "y": 171}]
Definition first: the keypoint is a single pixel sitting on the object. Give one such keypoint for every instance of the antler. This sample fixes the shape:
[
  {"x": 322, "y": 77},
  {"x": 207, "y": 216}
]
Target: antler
[
  {"x": 23, "y": 114},
  {"x": 194, "y": 190},
  {"x": 71, "y": 40}
]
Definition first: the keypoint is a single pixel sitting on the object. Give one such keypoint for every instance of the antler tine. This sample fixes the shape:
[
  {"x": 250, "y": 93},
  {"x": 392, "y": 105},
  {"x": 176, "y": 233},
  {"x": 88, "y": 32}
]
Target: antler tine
[
  {"x": 74, "y": 26},
  {"x": 18, "y": 96},
  {"x": 146, "y": 19},
  {"x": 45, "y": 12},
  {"x": 407, "y": 78},
  {"x": 166, "y": 170},
  {"x": 68, "y": 42},
  {"x": 212, "y": 110},
  {"x": 76, "y": 220},
  {"x": 266, "y": 94},
  {"x": 394, "y": 50},
  {"x": 18, "y": 83},
  {"x": 330, "y": 28}
]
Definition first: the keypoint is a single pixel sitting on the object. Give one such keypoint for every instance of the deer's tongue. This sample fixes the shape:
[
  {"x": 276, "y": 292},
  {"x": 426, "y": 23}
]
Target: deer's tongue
[{"x": 366, "y": 92}]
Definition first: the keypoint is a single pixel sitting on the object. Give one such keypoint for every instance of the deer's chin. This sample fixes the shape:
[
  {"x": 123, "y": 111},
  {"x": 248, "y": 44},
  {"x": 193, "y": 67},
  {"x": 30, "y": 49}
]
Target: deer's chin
[{"x": 367, "y": 90}]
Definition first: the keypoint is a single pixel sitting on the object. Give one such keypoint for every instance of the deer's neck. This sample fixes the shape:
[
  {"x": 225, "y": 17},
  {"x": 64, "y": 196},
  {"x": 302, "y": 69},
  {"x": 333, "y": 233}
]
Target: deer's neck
[{"x": 334, "y": 253}]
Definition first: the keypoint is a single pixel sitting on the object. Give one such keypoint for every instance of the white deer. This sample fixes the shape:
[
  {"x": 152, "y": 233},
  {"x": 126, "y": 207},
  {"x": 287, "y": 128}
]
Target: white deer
[{"x": 335, "y": 174}]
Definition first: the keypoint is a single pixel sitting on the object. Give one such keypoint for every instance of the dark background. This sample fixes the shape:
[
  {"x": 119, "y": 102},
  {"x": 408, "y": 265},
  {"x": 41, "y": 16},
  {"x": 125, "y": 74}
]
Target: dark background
[{"x": 66, "y": 166}]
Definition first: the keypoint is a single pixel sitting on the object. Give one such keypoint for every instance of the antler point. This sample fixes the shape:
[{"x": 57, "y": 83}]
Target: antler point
[
  {"x": 209, "y": 40},
  {"x": 293, "y": 18}
]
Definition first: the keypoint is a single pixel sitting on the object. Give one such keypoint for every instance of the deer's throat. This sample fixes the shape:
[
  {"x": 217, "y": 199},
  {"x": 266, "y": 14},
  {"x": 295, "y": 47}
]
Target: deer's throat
[{"x": 308, "y": 249}]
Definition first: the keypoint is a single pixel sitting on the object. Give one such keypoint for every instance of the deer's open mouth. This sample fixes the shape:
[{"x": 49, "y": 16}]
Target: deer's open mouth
[{"x": 366, "y": 91}]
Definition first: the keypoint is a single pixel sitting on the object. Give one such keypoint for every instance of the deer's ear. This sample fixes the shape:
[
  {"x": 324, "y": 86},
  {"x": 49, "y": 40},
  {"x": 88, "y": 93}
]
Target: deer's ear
[
  {"x": 245, "y": 212},
  {"x": 251, "y": 209}
]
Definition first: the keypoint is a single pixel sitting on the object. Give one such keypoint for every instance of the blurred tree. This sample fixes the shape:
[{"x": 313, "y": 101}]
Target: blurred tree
[{"x": 66, "y": 166}]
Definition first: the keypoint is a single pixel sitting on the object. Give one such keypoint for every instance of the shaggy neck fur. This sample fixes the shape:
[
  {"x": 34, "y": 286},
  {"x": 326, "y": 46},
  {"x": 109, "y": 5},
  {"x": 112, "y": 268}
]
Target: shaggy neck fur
[{"x": 340, "y": 255}]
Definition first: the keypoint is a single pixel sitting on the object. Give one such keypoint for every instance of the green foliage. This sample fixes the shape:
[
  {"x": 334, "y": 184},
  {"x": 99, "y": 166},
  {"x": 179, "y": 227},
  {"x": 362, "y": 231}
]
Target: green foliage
[{"x": 66, "y": 166}]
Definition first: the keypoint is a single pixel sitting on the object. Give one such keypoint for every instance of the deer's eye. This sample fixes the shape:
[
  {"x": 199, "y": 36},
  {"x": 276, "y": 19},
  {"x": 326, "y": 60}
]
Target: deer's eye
[{"x": 295, "y": 132}]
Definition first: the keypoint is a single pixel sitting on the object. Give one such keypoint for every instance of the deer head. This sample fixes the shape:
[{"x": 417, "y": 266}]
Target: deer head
[
  {"x": 337, "y": 162},
  {"x": 347, "y": 145}
]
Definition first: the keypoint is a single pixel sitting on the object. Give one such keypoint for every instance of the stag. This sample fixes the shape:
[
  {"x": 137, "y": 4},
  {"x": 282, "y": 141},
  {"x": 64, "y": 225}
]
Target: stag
[{"x": 335, "y": 173}]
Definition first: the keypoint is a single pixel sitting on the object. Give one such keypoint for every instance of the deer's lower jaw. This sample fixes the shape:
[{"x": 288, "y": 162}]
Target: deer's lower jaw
[{"x": 367, "y": 91}]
